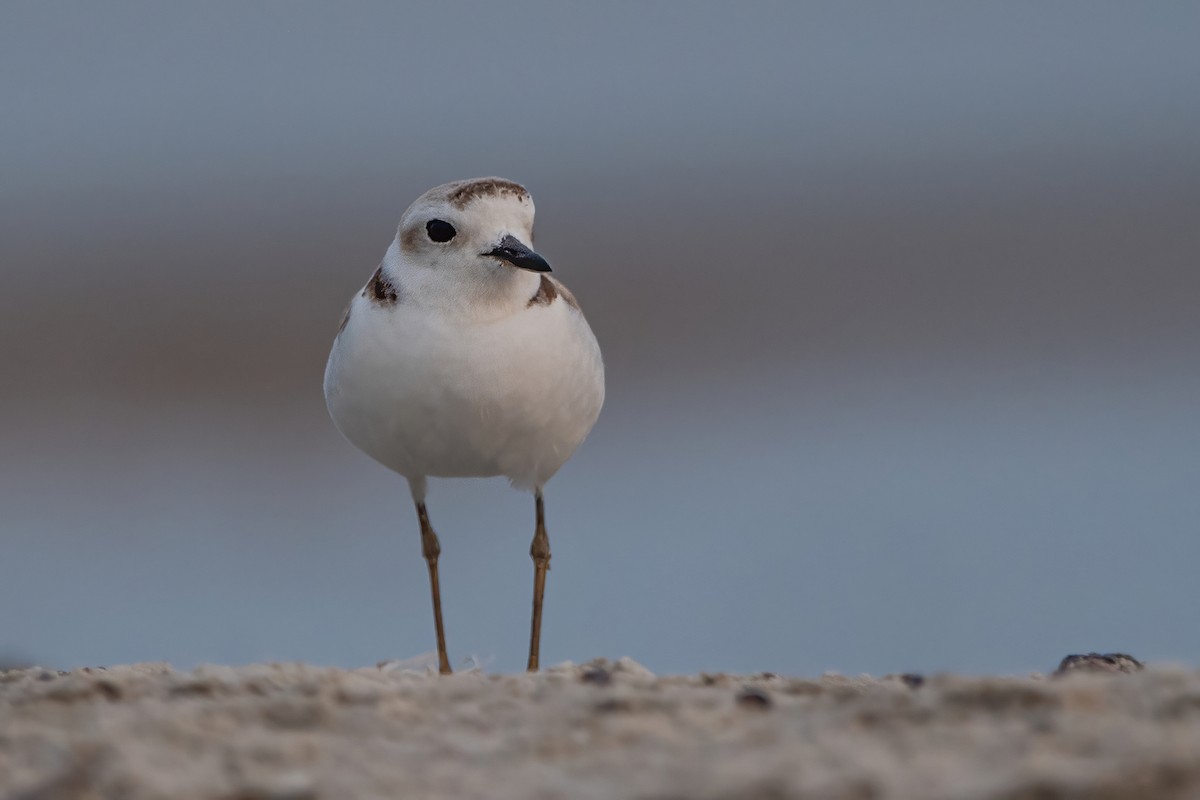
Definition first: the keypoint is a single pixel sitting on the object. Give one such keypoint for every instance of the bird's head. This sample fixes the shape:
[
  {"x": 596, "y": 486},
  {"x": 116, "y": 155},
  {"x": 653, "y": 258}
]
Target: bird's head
[{"x": 470, "y": 229}]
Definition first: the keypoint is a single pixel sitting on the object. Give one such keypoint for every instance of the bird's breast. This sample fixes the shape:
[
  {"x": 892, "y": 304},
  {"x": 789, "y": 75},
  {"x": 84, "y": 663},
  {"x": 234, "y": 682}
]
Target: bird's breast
[{"x": 426, "y": 395}]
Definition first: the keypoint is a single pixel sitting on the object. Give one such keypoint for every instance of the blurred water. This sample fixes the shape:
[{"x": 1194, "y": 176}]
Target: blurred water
[{"x": 898, "y": 307}]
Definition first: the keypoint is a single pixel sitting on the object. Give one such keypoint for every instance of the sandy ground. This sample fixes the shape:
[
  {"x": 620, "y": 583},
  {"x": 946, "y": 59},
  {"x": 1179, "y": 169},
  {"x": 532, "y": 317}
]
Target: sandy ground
[{"x": 600, "y": 730}]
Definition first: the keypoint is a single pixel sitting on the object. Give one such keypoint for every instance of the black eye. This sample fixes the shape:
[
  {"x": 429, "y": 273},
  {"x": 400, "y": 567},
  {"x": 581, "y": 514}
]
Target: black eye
[{"x": 439, "y": 230}]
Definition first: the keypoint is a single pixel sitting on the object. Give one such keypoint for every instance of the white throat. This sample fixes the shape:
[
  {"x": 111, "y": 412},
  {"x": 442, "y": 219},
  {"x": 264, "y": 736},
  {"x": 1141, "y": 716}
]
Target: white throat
[{"x": 492, "y": 292}]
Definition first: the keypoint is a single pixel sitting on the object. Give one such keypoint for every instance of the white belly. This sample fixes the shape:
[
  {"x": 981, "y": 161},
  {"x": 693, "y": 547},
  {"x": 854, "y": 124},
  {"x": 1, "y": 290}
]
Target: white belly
[{"x": 513, "y": 397}]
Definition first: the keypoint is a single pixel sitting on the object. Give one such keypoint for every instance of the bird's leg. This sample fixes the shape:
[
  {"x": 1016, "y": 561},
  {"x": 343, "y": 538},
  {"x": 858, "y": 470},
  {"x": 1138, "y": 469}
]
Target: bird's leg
[
  {"x": 431, "y": 550},
  {"x": 540, "y": 552}
]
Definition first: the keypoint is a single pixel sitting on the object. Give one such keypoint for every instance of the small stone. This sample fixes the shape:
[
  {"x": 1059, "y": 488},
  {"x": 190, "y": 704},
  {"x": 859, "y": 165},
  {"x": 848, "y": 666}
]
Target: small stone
[
  {"x": 754, "y": 697},
  {"x": 1099, "y": 662},
  {"x": 596, "y": 675}
]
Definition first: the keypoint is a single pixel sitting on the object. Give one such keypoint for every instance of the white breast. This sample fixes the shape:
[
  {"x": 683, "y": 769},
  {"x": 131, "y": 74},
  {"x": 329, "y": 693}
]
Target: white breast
[{"x": 425, "y": 395}]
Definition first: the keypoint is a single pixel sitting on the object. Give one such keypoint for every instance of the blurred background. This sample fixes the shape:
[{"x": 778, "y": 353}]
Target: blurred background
[{"x": 899, "y": 304}]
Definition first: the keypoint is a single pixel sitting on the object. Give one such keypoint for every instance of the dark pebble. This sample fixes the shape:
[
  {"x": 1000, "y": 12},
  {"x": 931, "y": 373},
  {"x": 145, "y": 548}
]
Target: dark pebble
[
  {"x": 1099, "y": 662},
  {"x": 753, "y": 697},
  {"x": 597, "y": 675}
]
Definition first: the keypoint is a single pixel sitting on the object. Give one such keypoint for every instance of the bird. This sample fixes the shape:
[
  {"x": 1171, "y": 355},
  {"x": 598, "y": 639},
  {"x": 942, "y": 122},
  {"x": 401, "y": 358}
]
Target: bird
[{"x": 462, "y": 357}]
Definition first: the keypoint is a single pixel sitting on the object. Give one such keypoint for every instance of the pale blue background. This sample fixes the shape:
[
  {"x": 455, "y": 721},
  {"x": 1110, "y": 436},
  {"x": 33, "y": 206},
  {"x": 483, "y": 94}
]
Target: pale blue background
[{"x": 899, "y": 304}]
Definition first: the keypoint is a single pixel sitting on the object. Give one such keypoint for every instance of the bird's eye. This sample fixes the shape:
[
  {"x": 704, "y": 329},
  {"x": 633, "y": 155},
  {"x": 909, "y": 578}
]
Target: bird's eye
[{"x": 439, "y": 230}]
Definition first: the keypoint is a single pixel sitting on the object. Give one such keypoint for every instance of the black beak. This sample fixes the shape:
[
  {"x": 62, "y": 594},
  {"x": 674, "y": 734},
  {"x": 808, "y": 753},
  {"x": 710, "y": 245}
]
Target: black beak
[{"x": 511, "y": 250}]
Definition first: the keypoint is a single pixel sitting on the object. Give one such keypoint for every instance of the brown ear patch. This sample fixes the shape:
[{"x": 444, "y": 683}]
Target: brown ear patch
[
  {"x": 484, "y": 187},
  {"x": 546, "y": 293},
  {"x": 410, "y": 238},
  {"x": 380, "y": 290}
]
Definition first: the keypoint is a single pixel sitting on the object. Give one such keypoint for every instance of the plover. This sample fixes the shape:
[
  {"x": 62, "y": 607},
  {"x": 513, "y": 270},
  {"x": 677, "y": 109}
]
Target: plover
[{"x": 462, "y": 357}]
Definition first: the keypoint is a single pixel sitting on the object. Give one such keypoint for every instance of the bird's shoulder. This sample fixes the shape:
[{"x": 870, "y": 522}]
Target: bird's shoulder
[
  {"x": 551, "y": 289},
  {"x": 379, "y": 291}
]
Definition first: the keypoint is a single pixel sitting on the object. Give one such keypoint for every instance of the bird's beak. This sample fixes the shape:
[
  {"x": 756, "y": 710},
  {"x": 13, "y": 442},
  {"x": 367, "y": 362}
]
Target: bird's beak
[{"x": 511, "y": 250}]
